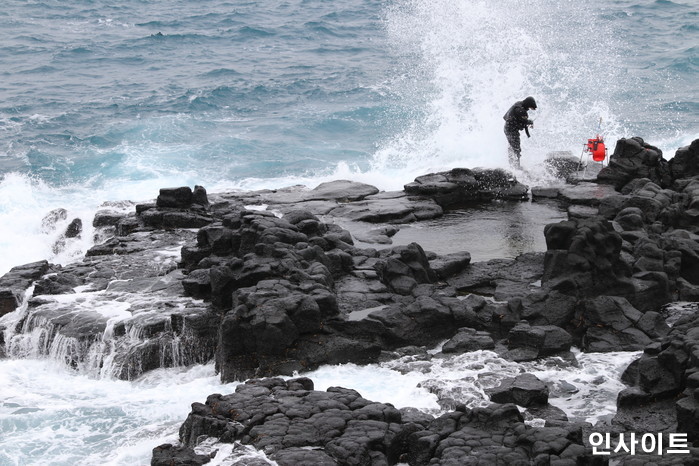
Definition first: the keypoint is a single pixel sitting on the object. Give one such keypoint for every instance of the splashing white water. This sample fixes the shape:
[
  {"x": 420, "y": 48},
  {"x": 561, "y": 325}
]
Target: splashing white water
[
  {"x": 25, "y": 203},
  {"x": 586, "y": 392},
  {"x": 475, "y": 58},
  {"x": 52, "y": 415}
]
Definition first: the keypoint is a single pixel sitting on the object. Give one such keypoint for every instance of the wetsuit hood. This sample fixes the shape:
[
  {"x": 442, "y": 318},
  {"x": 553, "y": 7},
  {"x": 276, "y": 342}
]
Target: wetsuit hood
[{"x": 529, "y": 102}]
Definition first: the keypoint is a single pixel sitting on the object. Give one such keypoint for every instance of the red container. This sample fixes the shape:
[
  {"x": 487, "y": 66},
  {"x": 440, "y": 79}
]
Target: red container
[{"x": 597, "y": 149}]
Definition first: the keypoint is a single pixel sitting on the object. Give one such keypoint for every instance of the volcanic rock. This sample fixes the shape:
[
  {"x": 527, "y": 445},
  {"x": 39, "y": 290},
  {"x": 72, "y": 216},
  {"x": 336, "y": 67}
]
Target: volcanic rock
[
  {"x": 15, "y": 282},
  {"x": 523, "y": 390},
  {"x": 633, "y": 158}
]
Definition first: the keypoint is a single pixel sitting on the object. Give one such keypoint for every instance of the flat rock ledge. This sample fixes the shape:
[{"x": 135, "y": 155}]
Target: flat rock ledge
[{"x": 462, "y": 185}]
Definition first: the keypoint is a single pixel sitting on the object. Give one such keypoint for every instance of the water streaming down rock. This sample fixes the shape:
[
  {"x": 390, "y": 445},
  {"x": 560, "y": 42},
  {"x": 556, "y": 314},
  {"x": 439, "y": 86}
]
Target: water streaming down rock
[
  {"x": 122, "y": 346},
  {"x": 115, "y": 315},
  {"x": 179, "y": 342}
]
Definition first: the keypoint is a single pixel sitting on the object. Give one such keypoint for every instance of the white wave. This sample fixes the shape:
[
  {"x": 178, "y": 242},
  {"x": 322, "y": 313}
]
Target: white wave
[
  {"x": 224, "y": 454},
  {"x": 26, "y": 201},
  {"x": 50, "y": 414},
  {"x": 464, "y": 63},
  {"x": 476, "y": 58},
  {"x": 434, "y": 386}
]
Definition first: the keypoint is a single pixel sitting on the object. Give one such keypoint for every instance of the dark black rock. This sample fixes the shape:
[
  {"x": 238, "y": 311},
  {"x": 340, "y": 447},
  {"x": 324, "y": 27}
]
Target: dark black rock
[
  {"x": 461, "y": 185},
  {"x": 405, "y": 268},
  {"x": 198, "y": 284},
  {"x": 179, "y": 198},
  {"x": 584, "y": 259},
  {"x": 495, "y": 184},
  {"x": 141, "y": 208},
  {"x": 57, "y": 284},
  {"x": 168, "y": 455},
  {"x": 545, "y": 307},
  {"x": 527, "y": 342},
  {"x": 15, "y": 282},
  {"x": 199, "y": 196},
  {"x": 562, "y": 164},
  {"x": 685, "y": 163},
  {"x": 423, "y": 322},
  {"x": 552, "y": 415},
  {"x": 192, "y": 255},
  {"x": 184, "y": 220},
  {"x": 127, "y": 225},
  {"x": 613, "y": 324},
  {"x": 342, "y": 191},
  {"x": 107, "y": 218},
  {"x": 633, "y": 158},
  {"x": 272, "y": 327},
  {"x": 630, "y": 219},
  {"x": 295, "y": 425},
  {"x": 523, "y": 390},
  {"x": 217, "y": 239},
  {"x": 468, "y": 339},
  {"x": 115, "y": 245},
  {"x": 450, "y": 264},
  {"x": 663, "y": 383},
  {"x": 298, "y": 456},
  {"x": 74, "y": 229},
  {"x": 295, "y": 217}
]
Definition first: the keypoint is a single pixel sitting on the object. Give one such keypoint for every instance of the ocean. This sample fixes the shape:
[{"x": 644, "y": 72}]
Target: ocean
[{"x": 107, "y": 101}]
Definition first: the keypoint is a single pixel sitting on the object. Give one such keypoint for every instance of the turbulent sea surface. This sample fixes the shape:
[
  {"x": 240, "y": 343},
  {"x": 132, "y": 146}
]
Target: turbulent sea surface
[
  {"x": 102, "y": 101},
  {"x": 106, "y": 101}
]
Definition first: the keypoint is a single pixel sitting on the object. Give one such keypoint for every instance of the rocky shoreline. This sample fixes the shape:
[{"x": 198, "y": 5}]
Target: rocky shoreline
[{"x": 267, "y": 285}]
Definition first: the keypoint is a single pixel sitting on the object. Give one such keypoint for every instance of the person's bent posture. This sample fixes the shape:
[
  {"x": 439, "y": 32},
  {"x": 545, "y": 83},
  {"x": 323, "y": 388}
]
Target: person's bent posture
[{"x": 516, "y": 120}]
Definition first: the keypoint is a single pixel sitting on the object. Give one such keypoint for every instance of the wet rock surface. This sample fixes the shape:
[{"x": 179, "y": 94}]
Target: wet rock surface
[
  {"x": 268, "y": 283},
  {"x": 121, "y": 311},
  {"x": 600, "y": 287},
  {"x": 462, "y": 185},
  {"x": 524, "y": 390},
  {"x": 156, "y": 325},
  {"x": 294, "y": 424},
  {"x": 14, "y": 283},
  {"x": 634, "y": 158},
  {"x": 663, "y": 381}
]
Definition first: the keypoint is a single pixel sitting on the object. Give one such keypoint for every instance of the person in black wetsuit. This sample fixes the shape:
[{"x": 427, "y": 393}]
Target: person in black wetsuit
[{"x": 516, "y": 120}]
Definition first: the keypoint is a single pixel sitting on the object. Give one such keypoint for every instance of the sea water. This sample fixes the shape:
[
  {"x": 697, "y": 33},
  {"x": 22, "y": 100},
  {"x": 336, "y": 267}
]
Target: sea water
[{"x": 104, "y": 101}]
